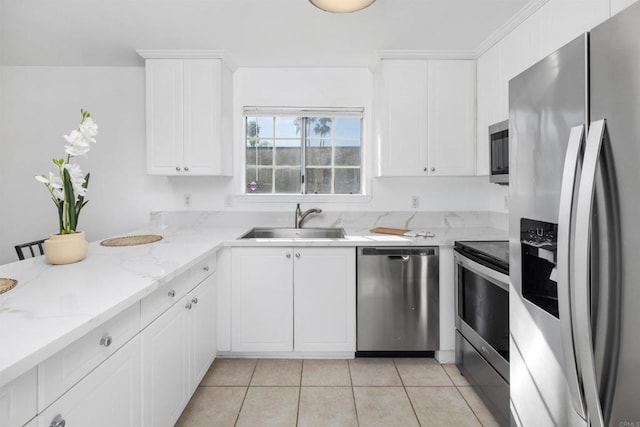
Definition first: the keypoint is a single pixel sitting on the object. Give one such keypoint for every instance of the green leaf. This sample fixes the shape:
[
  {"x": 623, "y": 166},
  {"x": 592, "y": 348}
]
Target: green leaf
[
  {"x": 69, "y": 199},
  {"x": 60, "y": 205},
  {"x": 81, "y": 201}
]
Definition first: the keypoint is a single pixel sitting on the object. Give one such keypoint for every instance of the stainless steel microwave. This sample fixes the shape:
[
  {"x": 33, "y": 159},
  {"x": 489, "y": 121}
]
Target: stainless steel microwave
[{"x": 499, "y": 153}]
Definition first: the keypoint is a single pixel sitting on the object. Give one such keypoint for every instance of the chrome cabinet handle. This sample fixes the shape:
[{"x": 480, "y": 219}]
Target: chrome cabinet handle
[
  {"x": 297, "y": 254},
  {"x": 186, "y": 168},
  {"x": 433, "y": 169},
  {"x": 288, "y": 256},
  {"x": 178, "y": 168},
  {"x": 106, "y": 341},
  {"x": 425, "y": 169},
  {"x": 58, "y": 421},
  {"x": 188, "y": 306},
  {"x": 171, "y": 293},
  {"x": 195, "y": 300},
  {"x": 206, "y": 268}
]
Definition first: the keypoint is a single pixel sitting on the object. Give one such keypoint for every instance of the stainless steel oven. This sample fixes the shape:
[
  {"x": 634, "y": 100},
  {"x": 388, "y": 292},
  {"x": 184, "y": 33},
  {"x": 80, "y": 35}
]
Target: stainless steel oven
[{"x": 482, "y": 321}]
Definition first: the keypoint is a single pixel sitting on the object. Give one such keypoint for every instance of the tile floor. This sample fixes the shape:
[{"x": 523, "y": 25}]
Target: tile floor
[{"x": 360, "y": 392}]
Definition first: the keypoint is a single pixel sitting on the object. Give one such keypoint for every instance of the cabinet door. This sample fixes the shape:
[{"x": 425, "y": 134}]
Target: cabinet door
[
  {"x": 108, "y": 396},
  {"x": 18, "y": 399},
  {"x": 165, "y": 367},
  {"x": 403, "y": 150},
  {"x": 325, "y": 290},
  {"x": 202, "y": 329},
  {"x": 262, "y": 299},
  {"x": 451, "y": 118},
  {"x": 489, "y": 104},
  {"x": 202, "y": 133},
  {"x": 164, "y": 111}
]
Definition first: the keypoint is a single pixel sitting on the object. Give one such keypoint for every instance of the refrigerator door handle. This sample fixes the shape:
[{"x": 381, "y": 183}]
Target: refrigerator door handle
[
  {"x": 582, "y": 310},
  {"x": 564, "y": 263}
]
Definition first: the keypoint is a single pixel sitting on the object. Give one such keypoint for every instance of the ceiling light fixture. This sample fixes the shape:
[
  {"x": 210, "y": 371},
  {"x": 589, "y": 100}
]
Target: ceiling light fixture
[{"x": 341, "y": 6}]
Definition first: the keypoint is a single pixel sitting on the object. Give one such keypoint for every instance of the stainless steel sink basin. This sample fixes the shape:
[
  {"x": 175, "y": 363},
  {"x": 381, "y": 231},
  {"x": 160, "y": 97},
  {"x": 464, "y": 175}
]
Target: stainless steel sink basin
[{"x": 294, "y": 233}]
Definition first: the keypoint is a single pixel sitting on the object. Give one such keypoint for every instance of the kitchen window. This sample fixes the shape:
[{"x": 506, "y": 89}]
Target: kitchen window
[{"x": 297, "y": 151}]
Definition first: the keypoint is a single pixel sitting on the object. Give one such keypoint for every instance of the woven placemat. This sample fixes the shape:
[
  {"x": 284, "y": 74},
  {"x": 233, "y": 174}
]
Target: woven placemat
[
  {"x": 131, "y": 240},
  {"x": 7, "y": 284}
]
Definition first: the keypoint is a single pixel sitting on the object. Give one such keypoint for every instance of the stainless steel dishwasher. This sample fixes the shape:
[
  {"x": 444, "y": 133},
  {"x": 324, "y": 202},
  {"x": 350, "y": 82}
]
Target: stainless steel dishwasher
[{"x": 398, "y": 300}]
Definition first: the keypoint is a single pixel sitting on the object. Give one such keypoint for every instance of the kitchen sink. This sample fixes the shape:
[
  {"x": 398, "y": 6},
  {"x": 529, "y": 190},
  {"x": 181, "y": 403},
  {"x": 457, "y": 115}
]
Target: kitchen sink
[{"x": 294, "y": 233}]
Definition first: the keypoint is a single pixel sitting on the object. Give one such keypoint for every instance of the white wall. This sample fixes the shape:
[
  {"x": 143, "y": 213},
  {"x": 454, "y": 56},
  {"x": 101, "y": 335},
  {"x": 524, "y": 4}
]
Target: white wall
[{"x": 40, "y": 104}]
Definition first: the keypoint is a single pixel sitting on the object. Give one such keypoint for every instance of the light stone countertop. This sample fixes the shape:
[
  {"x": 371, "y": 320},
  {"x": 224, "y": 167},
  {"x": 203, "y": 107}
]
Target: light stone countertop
[{"x": 52, "y": 306}]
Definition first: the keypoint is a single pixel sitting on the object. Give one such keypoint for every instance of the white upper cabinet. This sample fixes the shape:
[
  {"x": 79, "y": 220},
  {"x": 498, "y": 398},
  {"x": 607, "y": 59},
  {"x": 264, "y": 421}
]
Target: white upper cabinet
[
  {"x": 451, "y": 118},
  {"x": 427, "y": 117},
  {"x": 403, "y": 116},
  {"x": 188, "y": 110}
]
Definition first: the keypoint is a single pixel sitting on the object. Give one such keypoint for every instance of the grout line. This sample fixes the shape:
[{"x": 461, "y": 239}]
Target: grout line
[
  {"x": 469, "y": 404},
  {"x": 299, "y": 392},
  {"x": 353, "y": 394},
  {"x": 244, "y": 398},
  {"x": 457, "y": 386},
  {"x": 404, "y": 387}
]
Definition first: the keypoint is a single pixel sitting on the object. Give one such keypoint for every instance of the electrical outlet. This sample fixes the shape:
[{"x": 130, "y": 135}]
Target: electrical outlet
[
  {"x": 228, "y": 201},
  {"x": 415, "y": 202},
  {"x": 187, "y": 200},
  {"x": 506, "y": 202}
]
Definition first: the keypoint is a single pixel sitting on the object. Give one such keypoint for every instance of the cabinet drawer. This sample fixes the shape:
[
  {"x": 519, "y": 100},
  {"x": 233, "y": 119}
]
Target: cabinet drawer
[
  {"x": 109, "y": 396},
  {"x": 18, "y": 400},
  {"x": 203, "y": 269},
  {"x": 61, "y": 371},
  {"x": 160, "y": 300}
]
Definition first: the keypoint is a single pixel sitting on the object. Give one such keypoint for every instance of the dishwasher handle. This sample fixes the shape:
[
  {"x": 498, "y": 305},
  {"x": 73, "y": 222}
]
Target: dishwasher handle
[
  {"x": 400, "y": 258},
  {"x": 400, "y": 252}
]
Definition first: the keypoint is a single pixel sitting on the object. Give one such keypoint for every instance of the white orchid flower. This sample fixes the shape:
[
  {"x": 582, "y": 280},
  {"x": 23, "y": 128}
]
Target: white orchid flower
[
  {"x": 53, "y": 183},
  {"x": 77, "y": 180},
  {"x": 89, "y": 129},
  {"x": 78, "y": 144}
]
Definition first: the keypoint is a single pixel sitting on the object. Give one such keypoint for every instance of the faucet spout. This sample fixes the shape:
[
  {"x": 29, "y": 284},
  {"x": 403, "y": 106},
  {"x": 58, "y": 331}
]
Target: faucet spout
[{"x": 301, "y": 216}]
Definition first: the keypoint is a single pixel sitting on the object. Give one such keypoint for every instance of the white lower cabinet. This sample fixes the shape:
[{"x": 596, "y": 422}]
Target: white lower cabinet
[
  {"x": 293, "y": 299},
  {"x": 165, "y": 367},
  {"x": 203, "y": 330},
  {"x": 177, "y": 349},
  {"x": 109, "y": 396},
  {"x": 324, "y": 299},
  {"x": 120, "y": 375},
  {"x": 262, "y": 299},
  {"x": 18, "y": 400}
]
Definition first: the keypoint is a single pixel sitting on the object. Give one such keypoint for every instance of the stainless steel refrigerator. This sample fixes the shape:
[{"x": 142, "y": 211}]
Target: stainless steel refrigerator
[{"x": 574, "y": 232}]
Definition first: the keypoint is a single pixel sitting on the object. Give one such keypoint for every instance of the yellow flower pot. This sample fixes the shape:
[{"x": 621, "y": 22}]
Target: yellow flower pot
[{"x": 65, "y": 248}]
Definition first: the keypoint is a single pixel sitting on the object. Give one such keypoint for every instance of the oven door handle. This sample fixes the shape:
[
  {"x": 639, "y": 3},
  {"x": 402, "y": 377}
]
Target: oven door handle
[{"x": 499, "y": 279}]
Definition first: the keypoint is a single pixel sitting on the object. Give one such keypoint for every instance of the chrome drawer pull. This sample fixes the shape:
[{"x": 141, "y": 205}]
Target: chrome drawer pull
[
  {"x": 206, "y": 268},
  {"x": 58, "y": 421},
  {"x": 105, "y": 341},
  {"x": 171, "y": 293}
]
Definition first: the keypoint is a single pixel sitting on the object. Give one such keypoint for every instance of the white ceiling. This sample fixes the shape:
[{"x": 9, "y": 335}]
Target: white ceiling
[{"x": 251, "y": 32}]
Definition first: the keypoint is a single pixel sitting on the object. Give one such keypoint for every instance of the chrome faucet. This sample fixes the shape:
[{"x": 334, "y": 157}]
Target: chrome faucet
[{"x": 301, "y": 216}]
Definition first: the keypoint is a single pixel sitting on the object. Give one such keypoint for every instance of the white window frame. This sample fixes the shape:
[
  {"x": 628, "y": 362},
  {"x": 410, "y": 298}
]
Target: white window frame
[{"x": 363, "y": 197}]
